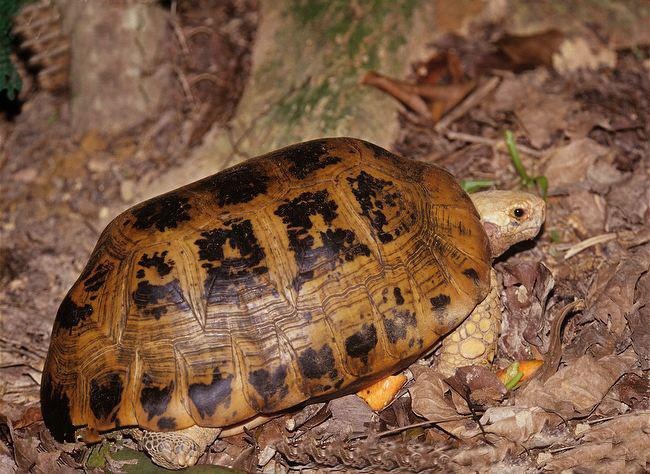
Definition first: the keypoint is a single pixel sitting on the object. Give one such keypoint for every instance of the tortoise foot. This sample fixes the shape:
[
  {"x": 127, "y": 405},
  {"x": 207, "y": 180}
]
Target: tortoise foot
[{"x": 177, "y": 449}]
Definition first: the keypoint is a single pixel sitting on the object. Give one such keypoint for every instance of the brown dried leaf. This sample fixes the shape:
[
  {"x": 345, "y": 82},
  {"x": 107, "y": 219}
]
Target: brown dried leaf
[
  {"x": 531, "y": 50},
  {"x": 478, "y": 385},
  {"x": 611, "y": 297},
  {"x": 526, "y": 287},
  {"x": 430, "y": 400},
  {"x": 638, "y": 320},
  {"x": 567, "y": 166},
  {"x": 31, "y": 415},
  {"x": 399, "y": 90},
  {"x": 629, "y": 203},
  {"x": 575, "y": 389},
  {"x": 26, "y": 451},
  {"x": 520, "y": 425},
  {"x": 622, "y": 443},
  {"x": 350, "y": 414},
  {"x": 634, "y": 391},
  {"x": 586, "y": 212},
  {"x": 7, "y": 464}
]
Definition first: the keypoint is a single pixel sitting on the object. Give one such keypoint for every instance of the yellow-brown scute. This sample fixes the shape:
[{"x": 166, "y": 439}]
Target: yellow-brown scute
[{"x": 291, "y": 276}]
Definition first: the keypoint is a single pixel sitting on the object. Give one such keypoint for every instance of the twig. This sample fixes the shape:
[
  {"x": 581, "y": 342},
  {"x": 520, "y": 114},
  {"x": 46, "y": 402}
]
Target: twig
[
  {"x": 470, "y": 102},
  {"x": 414, "y": 425},
  {"x": 465, "y": 137},
  {"x": 397, "y": 90},
  {"x": 555, "y": 350},
  {"x": 590, "y": 242}
]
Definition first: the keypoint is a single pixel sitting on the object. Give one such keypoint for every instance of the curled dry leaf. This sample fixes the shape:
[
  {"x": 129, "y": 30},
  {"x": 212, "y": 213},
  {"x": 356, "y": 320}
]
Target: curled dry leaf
[
  {"x": 576, "y": 389},
  {"x": 638, "y": 319},
  {"x": 634, "y": 391},
  {"x": 531, "y": 50},
  {"x": 400, "y": 90},
  {"x": 350, "y": 414},
  {"x": 31, "y": 415},
  {"x": 629, "y": 203},
  {"x": 430, "y": 400},
  {"x": 526, "y": 287},
  {"x": 478, "y": 385},
  {"x": 521, "y": 425},
  {"x": 611, "y": 298},
  {"x": 622, "y": 443},
  {"x": 567, "y": 167},
  {"x": 428, "y": 100}
]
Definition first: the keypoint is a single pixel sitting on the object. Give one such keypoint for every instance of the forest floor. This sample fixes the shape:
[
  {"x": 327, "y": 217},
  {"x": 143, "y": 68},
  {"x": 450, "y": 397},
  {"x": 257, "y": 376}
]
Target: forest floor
[{"x": 578, "y": 297}]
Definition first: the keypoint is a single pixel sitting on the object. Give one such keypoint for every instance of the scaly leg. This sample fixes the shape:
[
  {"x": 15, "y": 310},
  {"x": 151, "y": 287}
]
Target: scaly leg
[
  {"x": 474, "y": 342},
  {"x": 176, "y": 449}
]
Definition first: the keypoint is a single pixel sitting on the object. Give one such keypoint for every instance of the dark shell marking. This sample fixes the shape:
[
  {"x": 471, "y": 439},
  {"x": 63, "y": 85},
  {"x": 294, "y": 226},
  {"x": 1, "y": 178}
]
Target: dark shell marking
[
  {"x": 158, "y": 262},
  {"x": 397, "y": 293},
  {"x": 238, "y": 185},
  {"x": 55, "y": 406},
  {"x": 105, "y": 395},
  {"x": 362, "y": 342},
  {"x": 397, "y": 327},
  {"x": 206, "y": 397},
  {"x": 225, "y": 272},
  {"x": 472, "y": 275},
  {"x": 166, "y": 423},
  {"x": 306, "y": 158},
  {"x": 71, "y": 315},
  {"x": 154, "y": 400},
  {"x": 164, "y": 212},
  {"x": 269, "y": 384},
  {"x": 316, "y": 364},
  {"x": 371, "y": 194},
  {"x": 439, "y": 303},
  {"x": 98, "y": 277},
  {"x": 153, "y": 300},
  {"x": 337, "y": 244}
]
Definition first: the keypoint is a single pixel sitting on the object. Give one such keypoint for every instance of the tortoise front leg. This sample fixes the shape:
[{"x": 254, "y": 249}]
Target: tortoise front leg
[
  {"x": 176, "y": 449},
  {"x": 474, "y": 342}
]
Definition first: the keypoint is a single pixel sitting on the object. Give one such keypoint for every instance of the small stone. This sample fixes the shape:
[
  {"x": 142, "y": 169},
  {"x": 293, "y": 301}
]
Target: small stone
[
  {"x": 103, "y": 212},
  {"x": 544, "y": 458},
  {"x": 581, "y": 428},
  {"x": 98, "y": 165},
  {"x": 127, "y": 190},
  {"x": 26, "y": 175},
  {"x": 265, "y": 456}
]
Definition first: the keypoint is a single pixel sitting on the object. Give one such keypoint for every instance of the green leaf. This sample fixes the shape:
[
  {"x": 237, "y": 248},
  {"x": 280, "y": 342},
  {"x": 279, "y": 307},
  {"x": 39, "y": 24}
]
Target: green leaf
[
  {"x": 472, "y": 185},
  {"x": 541, "y": 182}
]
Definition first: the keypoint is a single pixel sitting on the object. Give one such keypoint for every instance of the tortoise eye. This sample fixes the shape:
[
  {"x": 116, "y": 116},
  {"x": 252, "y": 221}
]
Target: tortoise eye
[{"x": 518, "y": 212}]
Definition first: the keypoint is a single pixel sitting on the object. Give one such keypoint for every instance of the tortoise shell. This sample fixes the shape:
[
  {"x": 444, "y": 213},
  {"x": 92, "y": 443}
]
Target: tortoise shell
[{"x": 298, "y": 275}]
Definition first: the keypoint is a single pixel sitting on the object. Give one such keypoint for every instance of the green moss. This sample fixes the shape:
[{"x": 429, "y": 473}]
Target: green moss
[
  {"x": 340, "y": 38},
  {"x": 9, "y": 80}
]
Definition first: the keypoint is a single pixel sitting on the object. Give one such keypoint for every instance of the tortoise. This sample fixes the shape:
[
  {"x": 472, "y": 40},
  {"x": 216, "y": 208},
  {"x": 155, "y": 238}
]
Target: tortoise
[{"x": 294, "y": 277}]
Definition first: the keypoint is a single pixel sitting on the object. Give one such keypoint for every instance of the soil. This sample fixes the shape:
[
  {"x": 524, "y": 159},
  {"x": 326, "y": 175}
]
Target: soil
[{"x": 577, "y": 297}]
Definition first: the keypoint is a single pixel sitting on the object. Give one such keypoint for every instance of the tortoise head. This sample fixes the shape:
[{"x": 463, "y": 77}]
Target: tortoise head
[{"x": 509, "y": 217}]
